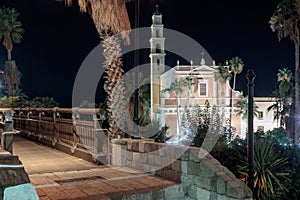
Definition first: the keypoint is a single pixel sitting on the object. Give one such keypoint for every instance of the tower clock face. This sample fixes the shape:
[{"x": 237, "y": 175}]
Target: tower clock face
[{"x": 156, "y": 20}]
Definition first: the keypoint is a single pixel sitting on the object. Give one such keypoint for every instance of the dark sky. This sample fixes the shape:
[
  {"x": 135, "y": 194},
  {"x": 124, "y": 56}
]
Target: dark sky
[{"x": 58, "y": 38}]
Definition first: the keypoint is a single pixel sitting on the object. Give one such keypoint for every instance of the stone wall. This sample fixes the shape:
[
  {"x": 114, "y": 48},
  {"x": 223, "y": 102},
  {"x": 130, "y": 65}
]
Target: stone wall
[
  {"x": 199, "y": 175},
  {"x": 13, "y": 178}
]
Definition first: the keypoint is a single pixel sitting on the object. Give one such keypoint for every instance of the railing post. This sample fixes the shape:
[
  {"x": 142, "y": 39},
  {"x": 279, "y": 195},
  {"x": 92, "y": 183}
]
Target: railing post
[
  {"x": 8, "y": 120},
  {"x": 54, "y": 127},
  {"x": 7, "y": 140}
]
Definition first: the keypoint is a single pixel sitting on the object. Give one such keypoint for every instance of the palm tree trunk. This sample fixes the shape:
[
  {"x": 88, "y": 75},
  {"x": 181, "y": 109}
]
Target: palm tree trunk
[
  {"x": 231, "y": 101},
  {"x": 297, "y": 102},
  {"x": 178, "y": 118},
  {"x": 10, "y": 90},
  {"x": 114, "y": 86},
  {"x": 8, "y": 54}
]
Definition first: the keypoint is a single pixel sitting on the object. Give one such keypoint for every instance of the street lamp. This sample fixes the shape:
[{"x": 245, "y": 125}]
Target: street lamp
[{"x": 250, "y": 76}]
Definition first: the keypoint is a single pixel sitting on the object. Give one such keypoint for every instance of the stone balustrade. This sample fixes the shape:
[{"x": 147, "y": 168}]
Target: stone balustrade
[{"x": 199, "y": 175}]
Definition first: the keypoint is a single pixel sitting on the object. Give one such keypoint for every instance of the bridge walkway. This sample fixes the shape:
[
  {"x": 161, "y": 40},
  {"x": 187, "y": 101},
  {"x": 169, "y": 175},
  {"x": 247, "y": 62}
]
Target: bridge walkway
[{"x": 57, "y": 175}]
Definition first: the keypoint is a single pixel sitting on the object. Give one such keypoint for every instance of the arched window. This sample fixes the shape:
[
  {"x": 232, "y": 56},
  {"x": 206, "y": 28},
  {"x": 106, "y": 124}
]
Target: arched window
[
  {"x": 158, "y": 48},
  {"x": 158, "y": 62}
]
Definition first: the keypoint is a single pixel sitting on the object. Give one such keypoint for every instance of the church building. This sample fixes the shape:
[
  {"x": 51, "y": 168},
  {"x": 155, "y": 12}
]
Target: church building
[{"x": 204, "y": 88}]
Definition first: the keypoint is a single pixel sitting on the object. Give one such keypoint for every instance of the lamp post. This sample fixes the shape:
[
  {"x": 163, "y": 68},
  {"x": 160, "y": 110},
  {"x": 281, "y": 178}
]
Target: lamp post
[
  {"x": 250, "y": 76},
  {"x": 136, "y": 119}
]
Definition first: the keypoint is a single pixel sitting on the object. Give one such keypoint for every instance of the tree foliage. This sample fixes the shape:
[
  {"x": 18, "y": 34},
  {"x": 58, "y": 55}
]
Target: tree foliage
[{"x": 43, "y": 102}]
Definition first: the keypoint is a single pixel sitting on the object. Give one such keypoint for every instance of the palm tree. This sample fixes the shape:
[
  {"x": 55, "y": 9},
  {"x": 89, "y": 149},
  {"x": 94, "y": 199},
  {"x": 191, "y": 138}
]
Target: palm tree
[
  {"x": 286, "y": 21},
  {"x": 284, "y": 74},
  {"x": 110, "y": 18},
  {"x": 283, "y": 95},
  {"x": 242, "y": 108},
  {"x": 10, "y": 29},
  {"x": 12, "y": 76},
  {"x": 177, "y": 87},
  {"x": 237, "y": 66},
  {"x": 10, "y": 32},
  {"x": 223, "y": 75}
]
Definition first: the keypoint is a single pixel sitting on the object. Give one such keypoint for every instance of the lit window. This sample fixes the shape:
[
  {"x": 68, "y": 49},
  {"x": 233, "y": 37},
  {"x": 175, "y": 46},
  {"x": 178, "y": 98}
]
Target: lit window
[
  {"x": 261, "y": 128},
  {"x": 203, "y": 89},
  {"x": 260, "y": 115}
]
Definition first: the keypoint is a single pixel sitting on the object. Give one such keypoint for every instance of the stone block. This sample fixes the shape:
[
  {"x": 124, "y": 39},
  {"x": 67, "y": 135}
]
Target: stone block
[
  {"x": 129, "y": 156},
  {"x": 185, "y": 178},
  {"x": 193, "y": 168},
  {"x": 153, "y": 146},
  {"x": 136, "y": 157},
  {"x": 236, "y": 189},
  {"x": 136, "y": 146},
  {"x": 129, "y": 145},
  {"x": 20, "y": 192},
  {"x": 208, "y": 169},
  {"x": 129, "y": 163},
  {"x": 144, "y": 196},
  {"x": 203, "y": 194},
  {"x": 144, "y": 158},
  {"x": 184, "y": 166},
  {"x": 222, "y": 179},
  {"x": 208, "y": 183},
  {"x": 157, "y": 161},
  {"x": 142, "y": 147},
  {"x": 192, "y": 192},
  {"x": 174, "y": 192},
  {"x": 147, "y": 148},
  {"x": 150, "y": 159},
  {"x": 158, "y": 194},
  {"x": 222, "y": 197},
  {"x": 161, "y": 152}
]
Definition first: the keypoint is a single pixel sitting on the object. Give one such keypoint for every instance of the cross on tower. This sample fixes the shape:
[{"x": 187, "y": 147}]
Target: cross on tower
[{"x": 157, "y": 6}]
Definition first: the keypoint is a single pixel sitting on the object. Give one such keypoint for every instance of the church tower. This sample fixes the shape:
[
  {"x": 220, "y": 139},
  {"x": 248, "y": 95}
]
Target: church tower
[{"x": 157, "y": 57}]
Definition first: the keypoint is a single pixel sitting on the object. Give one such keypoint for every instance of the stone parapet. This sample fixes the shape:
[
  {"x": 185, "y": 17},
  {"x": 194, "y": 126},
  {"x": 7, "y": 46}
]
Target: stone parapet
[
  {"x": 12, "y": 174},
  {"x": 199, "y": 174}
]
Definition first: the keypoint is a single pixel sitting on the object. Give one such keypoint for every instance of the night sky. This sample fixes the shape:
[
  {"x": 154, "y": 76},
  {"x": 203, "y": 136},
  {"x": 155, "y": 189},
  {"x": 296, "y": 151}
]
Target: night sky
[{"x": 57, "y": 39}]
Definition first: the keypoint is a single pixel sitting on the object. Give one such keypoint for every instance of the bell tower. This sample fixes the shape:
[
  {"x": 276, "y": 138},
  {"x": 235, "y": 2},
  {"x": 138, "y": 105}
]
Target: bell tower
[{"x": 157, "y": 57}]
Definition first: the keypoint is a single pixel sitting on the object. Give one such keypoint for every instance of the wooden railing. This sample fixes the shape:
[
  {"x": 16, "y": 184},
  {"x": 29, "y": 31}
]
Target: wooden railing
[{"x": 78, "y": 129}]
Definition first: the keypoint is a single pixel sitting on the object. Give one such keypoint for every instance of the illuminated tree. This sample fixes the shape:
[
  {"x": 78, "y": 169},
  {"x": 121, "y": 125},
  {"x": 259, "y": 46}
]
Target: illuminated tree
[
  {"x": 110, "y": 18},
  {"x": 223, "y": 75},
  {"x": 286, "y": 21},
  {"x": 10, "y": 32}
]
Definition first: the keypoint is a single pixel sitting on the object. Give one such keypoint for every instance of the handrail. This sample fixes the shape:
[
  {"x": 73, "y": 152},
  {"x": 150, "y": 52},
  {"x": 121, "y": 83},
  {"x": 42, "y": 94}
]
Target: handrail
[
  {"x": 74, "y": 128},
  {"x": 7, "y": 140}
]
